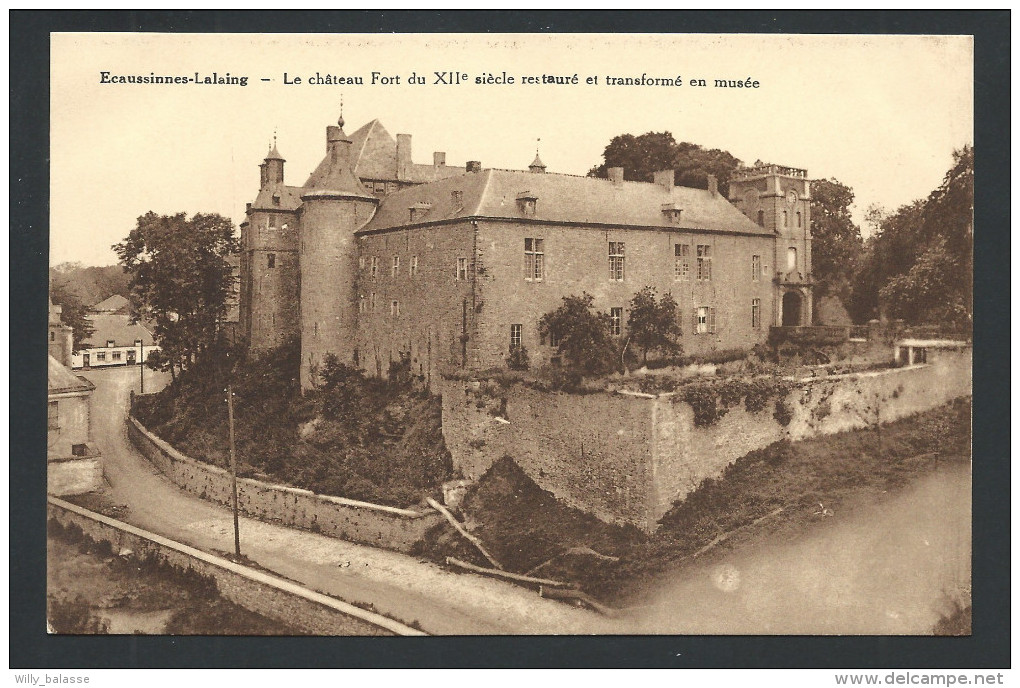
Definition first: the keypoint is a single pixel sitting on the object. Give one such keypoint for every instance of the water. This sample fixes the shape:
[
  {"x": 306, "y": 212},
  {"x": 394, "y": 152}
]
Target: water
[{"x": 892, "y": 569}]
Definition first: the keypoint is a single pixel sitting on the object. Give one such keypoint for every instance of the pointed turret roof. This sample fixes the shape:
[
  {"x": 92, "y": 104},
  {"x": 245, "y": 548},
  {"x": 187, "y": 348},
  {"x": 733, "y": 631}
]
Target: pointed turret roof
[
  {"x": 335, "y": 174},
  {"x": 537, "y": 164},
  {"x": 273, "y": 153}
]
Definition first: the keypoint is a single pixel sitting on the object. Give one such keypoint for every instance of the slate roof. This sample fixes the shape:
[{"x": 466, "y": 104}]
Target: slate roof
[
  {"x": 119, "y": 329},
  {"x": 60, "y": 379},
  {"x": 290, "y": 198},
  {"x": 114, "y": 303},
  {"x": 563, "y": 198},
  {"x": 374, "y": 156}
]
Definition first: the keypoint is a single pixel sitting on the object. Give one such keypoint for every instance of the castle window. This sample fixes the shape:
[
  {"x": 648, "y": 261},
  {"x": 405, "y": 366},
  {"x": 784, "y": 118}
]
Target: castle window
[
  {"x": 271, "y": 260},
  {"x": 791, "y": 258},
  {"x": 375, "y": 266},
  {"x": 361, "y": 262},
  {"x": 394, "y": 308},
  {"x": 53, "y": 336},
  {"x": 116, "y": 355},
  {"x": 371, "y": 302},
  {"x": 786, "y": 219},
  {"x": 515, "y": 336},
  {"x": 53, "y": 415},
  {"x": 361, "y": 303},
  {"x": 704, "y": 262},
  {"x": 534, "y": 260},
  {"x": 798, "y": 219},
  {"x": 756, "y": 314},
  {"x": 414, "y": 266},
  {"x": 761, "y": 218},
  {"x": 616, "y": 321},
  {"x": 276, "y": 199},
  {"x": 681, "y": 261},
  {"x": 704, "y": 320},
  {"x": 756, "y": 268},
  {"x": 396, "y": 266},
  {"x": 616, "y": 258},
  {"x": 461, "y": 269},
  {"x": 554, "y": 338}
]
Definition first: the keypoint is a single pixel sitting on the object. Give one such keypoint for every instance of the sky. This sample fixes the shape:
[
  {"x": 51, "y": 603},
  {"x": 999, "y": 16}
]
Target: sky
[{"x": 882, "y": 114}]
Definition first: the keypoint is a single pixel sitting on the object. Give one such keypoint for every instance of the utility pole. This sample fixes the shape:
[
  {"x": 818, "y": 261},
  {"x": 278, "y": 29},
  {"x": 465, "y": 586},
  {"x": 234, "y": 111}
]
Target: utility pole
[
  {"x": 233, "y": 467},
  {"x": 141, "y": 367}
]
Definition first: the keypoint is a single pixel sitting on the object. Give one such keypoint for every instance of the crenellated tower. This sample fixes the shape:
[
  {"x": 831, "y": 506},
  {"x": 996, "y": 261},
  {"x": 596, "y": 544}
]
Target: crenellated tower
[
  {"x": 779, "y": 199},
  {"x": 335, "y": 205},
  {"x": 269, "y": 260}
]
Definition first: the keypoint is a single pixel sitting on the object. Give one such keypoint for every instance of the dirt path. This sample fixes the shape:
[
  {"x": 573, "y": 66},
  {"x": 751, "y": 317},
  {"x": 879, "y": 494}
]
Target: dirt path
[{"x": 398, "y": 585}]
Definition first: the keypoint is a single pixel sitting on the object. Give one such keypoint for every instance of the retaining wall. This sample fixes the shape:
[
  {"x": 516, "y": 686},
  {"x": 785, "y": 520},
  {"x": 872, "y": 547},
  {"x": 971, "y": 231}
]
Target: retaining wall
[
  {"x": 73, "y": 475},
  {"x": 628, "y": 458},
  {"x": 347, "y": 519},
  {"x": 254, "y": 590}
]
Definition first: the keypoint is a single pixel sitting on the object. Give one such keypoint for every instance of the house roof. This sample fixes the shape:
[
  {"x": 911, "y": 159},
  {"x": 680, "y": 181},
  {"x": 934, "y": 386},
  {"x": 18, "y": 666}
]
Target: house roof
[
  {"x": 290, "y": 198},
  {"x": 563, "y": 198},
  {"x": 374, "y": 156},
  {"x": 119, "y": 329},
  {"x": 60, "y": 379},
  {"x": 113, "y": 303}
]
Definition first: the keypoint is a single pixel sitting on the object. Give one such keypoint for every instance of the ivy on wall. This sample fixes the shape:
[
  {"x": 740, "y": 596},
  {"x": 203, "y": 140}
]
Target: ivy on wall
[{"x": 713, "y": 400}]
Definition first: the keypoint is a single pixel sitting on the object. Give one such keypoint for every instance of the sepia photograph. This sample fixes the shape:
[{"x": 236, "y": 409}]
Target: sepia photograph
[{"x": 472, "y": 334}]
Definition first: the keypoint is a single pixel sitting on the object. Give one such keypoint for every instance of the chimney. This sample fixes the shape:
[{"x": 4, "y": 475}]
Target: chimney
[
  {"x": 713, "y": 185},
  {"x": 403, "y": 156},
  {"x": 615, "y": 174},
  {"x": 665, "y": 179},
  {"x": 474, "y": 166},
  {"x": 439, "y": 159}
]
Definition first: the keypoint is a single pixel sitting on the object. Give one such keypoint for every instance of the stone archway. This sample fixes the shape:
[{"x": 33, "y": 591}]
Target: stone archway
[{"x": 793, "y": 307}]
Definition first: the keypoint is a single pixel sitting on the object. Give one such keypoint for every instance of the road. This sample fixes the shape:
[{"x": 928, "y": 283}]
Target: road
[{"x": 399, "y": 586}]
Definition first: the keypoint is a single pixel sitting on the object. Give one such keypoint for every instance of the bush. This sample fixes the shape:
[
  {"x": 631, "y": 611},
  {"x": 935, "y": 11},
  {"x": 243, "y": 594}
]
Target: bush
[
  {"x": 74, "y": 616},
  {"x": 518, "y": 358}
]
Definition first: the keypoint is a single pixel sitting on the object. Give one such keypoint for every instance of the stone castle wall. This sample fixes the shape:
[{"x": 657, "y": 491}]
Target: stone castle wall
[{"x": 628, "y": 458}]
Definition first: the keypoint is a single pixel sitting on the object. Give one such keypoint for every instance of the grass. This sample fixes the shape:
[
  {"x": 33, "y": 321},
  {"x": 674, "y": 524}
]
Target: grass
[
  {"x": 89, "y": 589},
  {"x": 522, "y": 525}
]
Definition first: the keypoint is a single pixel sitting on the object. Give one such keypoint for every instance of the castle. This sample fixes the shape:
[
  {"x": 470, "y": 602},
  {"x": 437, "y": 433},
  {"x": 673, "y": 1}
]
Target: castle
[{"x": 376, "y": 257}]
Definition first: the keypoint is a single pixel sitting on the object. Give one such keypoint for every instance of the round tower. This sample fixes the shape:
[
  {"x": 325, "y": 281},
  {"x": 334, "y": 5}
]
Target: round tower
[{"x": 334, "y": 206}]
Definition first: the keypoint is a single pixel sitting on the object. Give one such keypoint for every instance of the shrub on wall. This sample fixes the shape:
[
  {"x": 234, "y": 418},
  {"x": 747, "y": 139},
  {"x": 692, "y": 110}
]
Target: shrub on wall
[
  {"x": 711, "y": 401},
  {"x": 518, "y": 358}
]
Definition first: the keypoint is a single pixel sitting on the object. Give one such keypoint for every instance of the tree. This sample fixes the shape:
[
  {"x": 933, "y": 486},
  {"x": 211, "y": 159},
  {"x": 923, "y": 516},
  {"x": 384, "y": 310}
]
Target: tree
[
  {"x": 654, "y": 324},
  {"x": 919, "y": 265},
  {"x": 180, "y": 281},
  {"x": 642, "y": 156},
  {"x": 73, "y": 313},
  {"x": 836, "y": 244},
  {"x": 584, "y": 335}
]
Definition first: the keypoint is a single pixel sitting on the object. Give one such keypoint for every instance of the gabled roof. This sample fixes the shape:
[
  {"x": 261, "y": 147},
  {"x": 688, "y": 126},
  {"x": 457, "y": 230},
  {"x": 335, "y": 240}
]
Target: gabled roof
[
  {"x": 61, "y": 380},
  {"x": 374, "y": 156},
  {"x": 119, "y": 329},
  {"x": 112, "y": 304},
  {"x": 564, "y": 198}
]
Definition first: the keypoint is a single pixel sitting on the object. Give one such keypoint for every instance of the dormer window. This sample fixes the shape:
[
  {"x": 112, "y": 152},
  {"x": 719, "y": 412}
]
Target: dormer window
[
  {"x": 276, "y": 199},
  {"x": 457, "y": 197},
  {"x": 672, "y": 213},
  {"x": 418, "y": 211},
  {"x": 527, "y": 203}
]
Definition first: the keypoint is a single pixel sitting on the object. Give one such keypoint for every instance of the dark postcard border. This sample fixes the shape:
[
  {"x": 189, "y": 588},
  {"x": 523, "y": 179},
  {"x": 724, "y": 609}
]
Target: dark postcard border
[{"x": 30, "y": 647}]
